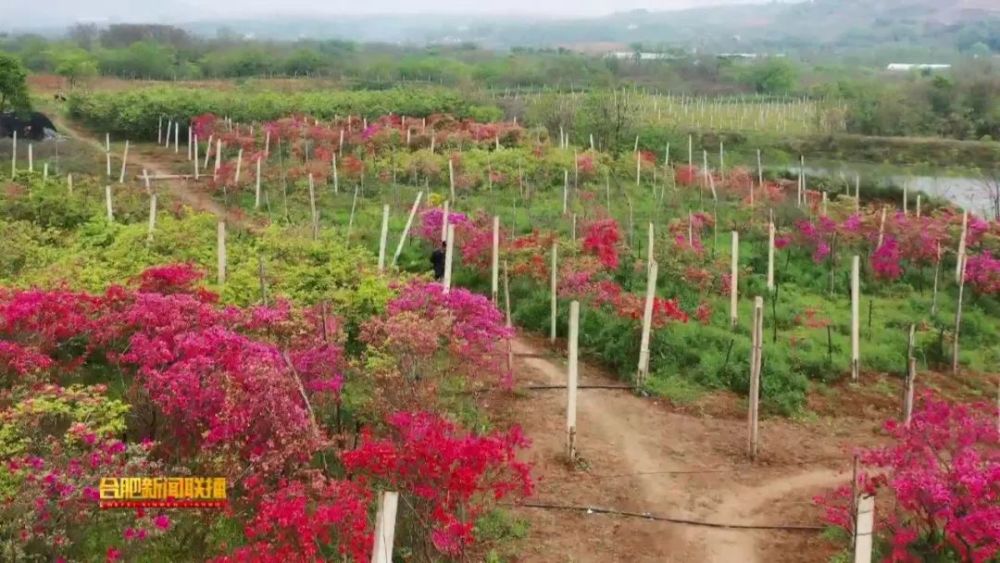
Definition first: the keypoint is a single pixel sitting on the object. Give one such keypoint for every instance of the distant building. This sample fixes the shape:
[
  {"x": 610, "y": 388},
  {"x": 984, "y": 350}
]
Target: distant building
[
  {"x": 643, "y": 56},
  {"x": 906, "y": 67}
]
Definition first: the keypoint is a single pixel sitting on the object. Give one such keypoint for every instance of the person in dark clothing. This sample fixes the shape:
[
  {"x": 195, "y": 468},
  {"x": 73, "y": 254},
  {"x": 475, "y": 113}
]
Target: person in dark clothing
[{"x": 437, "y": 260}]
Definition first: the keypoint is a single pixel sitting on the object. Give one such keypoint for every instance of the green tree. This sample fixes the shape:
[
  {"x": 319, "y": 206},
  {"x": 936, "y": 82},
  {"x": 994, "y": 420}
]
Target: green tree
[
  {"x": 13, "y": 84},
  {"x": 73, "y": 63},
  {"x": 773, "y": 76}
]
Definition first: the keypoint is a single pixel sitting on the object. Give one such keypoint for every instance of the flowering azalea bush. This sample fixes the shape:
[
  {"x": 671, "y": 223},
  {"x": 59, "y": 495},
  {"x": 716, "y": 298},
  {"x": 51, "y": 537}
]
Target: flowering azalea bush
[
  {"x": 938, "y": 484},
  {"x": 601, "y": 238},
  {"x": 453, "y": 475},
  {"x": 982, "y": 271}
]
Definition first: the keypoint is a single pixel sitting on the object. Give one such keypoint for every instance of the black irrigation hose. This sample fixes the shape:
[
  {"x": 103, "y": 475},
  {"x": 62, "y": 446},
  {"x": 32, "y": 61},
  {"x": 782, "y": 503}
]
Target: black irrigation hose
[
  {"x": 649, "y": 516},
  {"x": 543, "y": 387}
]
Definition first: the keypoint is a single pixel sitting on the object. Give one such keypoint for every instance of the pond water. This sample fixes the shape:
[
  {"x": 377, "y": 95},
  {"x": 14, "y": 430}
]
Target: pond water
[{"x": 977, "y": 195}]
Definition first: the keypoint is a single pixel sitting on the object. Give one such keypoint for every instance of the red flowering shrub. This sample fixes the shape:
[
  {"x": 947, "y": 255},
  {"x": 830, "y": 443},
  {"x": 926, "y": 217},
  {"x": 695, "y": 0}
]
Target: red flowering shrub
[
  {"x": 601, "y": 239},
  {"x": 452, "y": 476},
  {"x": 942, "y": 475}
]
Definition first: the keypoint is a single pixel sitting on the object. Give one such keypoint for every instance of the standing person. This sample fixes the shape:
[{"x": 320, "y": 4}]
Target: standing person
[{"x": 437, "y": 260}]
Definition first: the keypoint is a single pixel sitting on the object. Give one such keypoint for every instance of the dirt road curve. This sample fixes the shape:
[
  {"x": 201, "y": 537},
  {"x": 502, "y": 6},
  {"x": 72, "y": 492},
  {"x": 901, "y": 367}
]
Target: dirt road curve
[{"x": 638, "y": 456}]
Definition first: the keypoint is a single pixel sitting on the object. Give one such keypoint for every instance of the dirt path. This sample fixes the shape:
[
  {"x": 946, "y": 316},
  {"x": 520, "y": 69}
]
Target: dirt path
[
  {"x": 638, "y": 456},
  {"x": 147, "y": 157}
]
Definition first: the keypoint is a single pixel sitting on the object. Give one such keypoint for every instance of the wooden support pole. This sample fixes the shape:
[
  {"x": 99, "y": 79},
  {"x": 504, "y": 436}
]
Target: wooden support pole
[
  {"x": 770, "y": 257},
  {"x": 554, "y": 286},
  {"x": 159, "y": 131},
  {"x": 221, "y": 249},
  {"x": 864, "y": 529},
  {"x": 444, "y": 222},
  {"x": 256, "y": 191},
  {"x": 267, "y": 143},
  {"x": 565, "y": 191},
  {"x": 313, "y": 214},
  {"x": 638, "y": 168},
  {"x": 13, "y": 158},
  {"x": 31, "y": 159},
  {"x": 45, "y": 172},
  {"x": 958, "y": 312},
  {"x": 107, "y": 202},
  {"x": 121, "y": 176},
  {"x": 152, "y": 215},
  {"x": 855, "y": 317},
  {"x": 642, "y": 374},
  {"x": 406, "y": 229},
  {"x": 495, "y": 262},
  {"x": 918, "y": 205},
  {"x": 857, "y": 193},
  {"x": 756, "y": 355},
  {"x": 734, "y": 283},
  {"x": 166, "y": 142},
  {"x": 177, "y": 138},
  {"x": 354, "y": 205},
  {"x": 385, "y": 527},
  {"x": 937, "y": 275},
  {"x": 218, "y": 158},
  {"x": 383, "y": 238},
  {"x": 239, "y": 168},
  {"x": 911, "y": 378},
  {"x": 573, "y": 376},
  {"x": 881, "y": 230},
  {"x": 960, "y": 253},
  {"x": 208, "y": 150},
  {"x": 451, "y": 178},
  {"x": 449, "y": 257},
  {"x": 336, "y": 182},
  {"x": 189, "y": 143},
  {"x": 69, "y": 183}
]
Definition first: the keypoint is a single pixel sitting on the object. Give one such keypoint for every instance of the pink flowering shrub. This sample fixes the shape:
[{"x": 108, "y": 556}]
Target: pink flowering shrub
[
  {"x": 937, "y": 483},
  {"x": 885, "y": 260},
  {"x": 436, "y": 332},
  {"x": 431, "y": 221},
  {"x": 982, "y": 272}
]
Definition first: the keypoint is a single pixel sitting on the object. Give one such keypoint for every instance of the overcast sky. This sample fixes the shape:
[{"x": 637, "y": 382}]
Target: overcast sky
[{"x": 22, "y": 13}]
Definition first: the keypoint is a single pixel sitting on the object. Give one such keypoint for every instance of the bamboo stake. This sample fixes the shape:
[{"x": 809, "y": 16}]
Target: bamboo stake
[
  {"x": 855, "y": 317},
  {"x": 863, "y": 529},
  {"x": 69, "y": 183},
  {"x": 239, "y": 167},
  {"x": 958, "y": 312},
  {"x": 312, "y": 207},
  {"x": 734, "y": 274},
  {"x": 574, "y": 332},
  {"x": 190, "y": 137},
  {"x": 638, "y": 168},
  {"x": 756, "y": 355},
  {"x": 208, "y": 151},
  {"x": 406, "y": 229},
  {"x": 647, "y": 325},
  {"x": 451, "y": 178},
  {"x": 107, "y": 201},
  {"x": 221, "y": 248},
  {"x": 554, "y": 288},
  {"x": 911, "y": 377},
  {"x": 937, "y": 275},
  {"x": 495, "y": 262},
  {"x": 449, "y": 256},
  {"x": 961, "y": 247},
  {"x": 444, "y": 222},
  {"x": 152, "y": 216},
  {"x": 121, "y": 176},
  {"x": 385, "y": 527},
  {"x": 159, "y": 131},
  {"x": 31, "y": 159},
  {"x": 336, "y": 184},
  {"x": 218, "y": 158},
  {"x": 565, "y": 191},
  {"x": 177, "y": 138},
  {"x": 881, "y": 230},
  {"x": 770, "y": 257},
  {"x": 918, "y": 206},
  {"x": 267, "y": 144},
  {"x": 13, "y": 158},
  {"x": 507, "y": 322},
  {"x": 354, "y": 204},
  {"x": 383, "y": 238},
  {"x": 45, "y": 172},
  {"x": 256, "y": 191}
]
